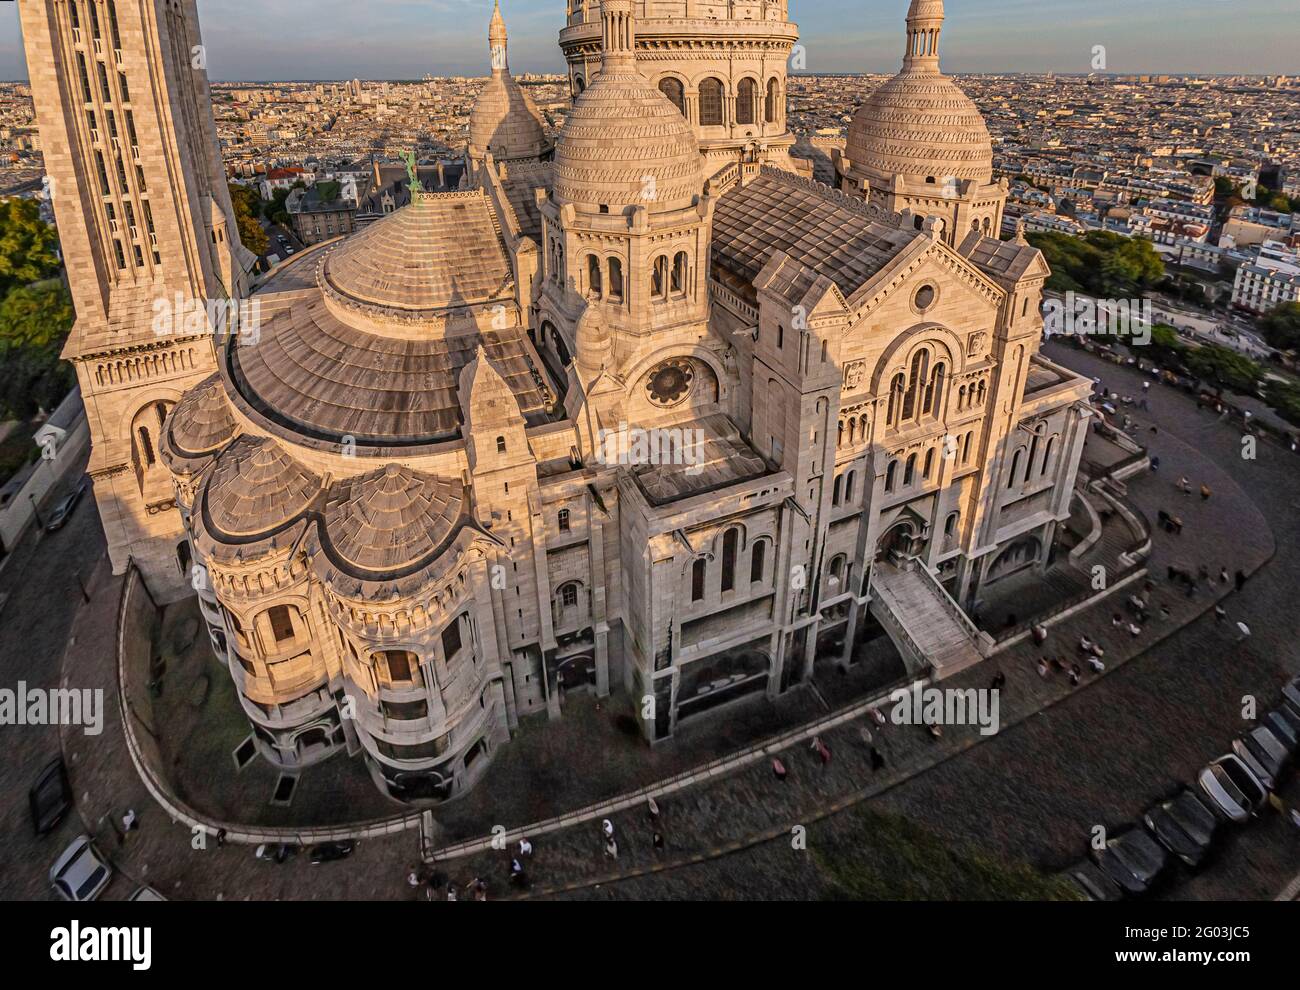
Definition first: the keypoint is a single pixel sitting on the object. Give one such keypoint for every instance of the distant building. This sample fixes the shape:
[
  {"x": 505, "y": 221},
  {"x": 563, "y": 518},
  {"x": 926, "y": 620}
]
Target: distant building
[{"x": 315, "y": 220}]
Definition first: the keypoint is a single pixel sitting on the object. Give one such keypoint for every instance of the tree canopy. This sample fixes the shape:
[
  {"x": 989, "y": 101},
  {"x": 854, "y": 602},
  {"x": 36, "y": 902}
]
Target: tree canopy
[
  {"x": 248, "y": 205},
  {"x": 1101, "y": 263},
  {"x": 1281, "y": 326},
  {"x": 27, "y": 244}
]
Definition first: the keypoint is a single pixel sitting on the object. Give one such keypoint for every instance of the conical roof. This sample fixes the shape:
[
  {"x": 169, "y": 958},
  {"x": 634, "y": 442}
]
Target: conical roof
[{"x": 505, "y": 120}]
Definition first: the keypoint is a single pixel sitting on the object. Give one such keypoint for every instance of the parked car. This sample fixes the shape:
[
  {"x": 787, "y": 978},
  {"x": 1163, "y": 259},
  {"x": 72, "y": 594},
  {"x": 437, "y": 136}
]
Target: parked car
[
  {"x": 63, "y": 509},
  {"x": 1184, "y": 826},
  {"x": 1285, "y": 724},
  {"x": 1291, "y": 694},
  {"x": 1133, "y": 860},
  {"x": 50, "y": 798},
  {"x": 1233, "y": 791},
  {"x": 146, "y": 893},
  {"x": 1264, "y": 754},
  {"x": 1094, "y": 882},
  {"x": 81, "y": 873},
  {"x": 328, "y": 852}
]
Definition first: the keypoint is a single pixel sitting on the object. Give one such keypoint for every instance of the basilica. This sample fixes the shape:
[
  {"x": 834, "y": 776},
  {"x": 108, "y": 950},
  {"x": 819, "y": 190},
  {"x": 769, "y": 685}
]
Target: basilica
[{"x": 412, "y": 487}]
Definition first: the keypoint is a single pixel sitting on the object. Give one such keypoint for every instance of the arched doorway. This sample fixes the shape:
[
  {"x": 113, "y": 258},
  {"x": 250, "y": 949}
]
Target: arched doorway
[{"x": 902, "y": 538}]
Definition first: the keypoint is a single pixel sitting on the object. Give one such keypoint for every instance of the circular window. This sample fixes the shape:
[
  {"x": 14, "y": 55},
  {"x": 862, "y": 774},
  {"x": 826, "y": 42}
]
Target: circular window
[
  {"x": 924, "y": 298},
  {"x": 670, "y": 383}
]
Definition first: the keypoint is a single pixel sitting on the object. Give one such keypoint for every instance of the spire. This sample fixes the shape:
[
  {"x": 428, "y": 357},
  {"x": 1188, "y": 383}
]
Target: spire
[
  {"x": 618, "y": 37},
  {"x": 497, "y": 39},
  {"x": 924, "y": 22}
]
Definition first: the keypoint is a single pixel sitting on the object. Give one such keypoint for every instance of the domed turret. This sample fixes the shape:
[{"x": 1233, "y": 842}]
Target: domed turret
[
  {"x": 594, "y": 343},
  {"x": 624, "y": 143},
  {"x": 505, "y": 121}
]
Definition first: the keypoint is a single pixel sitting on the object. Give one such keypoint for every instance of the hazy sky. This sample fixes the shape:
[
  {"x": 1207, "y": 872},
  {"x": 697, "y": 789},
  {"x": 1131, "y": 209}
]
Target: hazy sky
[{"x": 393, "y": 39}]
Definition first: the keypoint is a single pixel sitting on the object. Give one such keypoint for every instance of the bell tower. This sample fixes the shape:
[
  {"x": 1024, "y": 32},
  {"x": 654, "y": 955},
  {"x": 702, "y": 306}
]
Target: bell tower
[{"x": 149, "y": 238}]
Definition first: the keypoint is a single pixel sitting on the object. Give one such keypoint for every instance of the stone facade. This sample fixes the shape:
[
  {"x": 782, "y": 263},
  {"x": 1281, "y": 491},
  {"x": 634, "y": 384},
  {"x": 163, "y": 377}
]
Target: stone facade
[
  {"x": 148, "y": 235},
  {"x": 612, "y": 421}
]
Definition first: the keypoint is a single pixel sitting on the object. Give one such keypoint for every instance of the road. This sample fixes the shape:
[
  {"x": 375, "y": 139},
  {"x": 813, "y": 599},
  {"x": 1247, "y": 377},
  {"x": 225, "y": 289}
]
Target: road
[{"x": 40, "y": 579}]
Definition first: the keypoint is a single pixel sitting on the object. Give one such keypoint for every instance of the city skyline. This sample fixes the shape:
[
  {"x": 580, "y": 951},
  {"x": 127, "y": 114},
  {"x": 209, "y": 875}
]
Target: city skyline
[{"x": 408, "y": 39}]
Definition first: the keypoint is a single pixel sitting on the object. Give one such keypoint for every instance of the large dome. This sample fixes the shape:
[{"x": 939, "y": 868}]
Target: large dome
[
  {"x": 921, "y": 124},
  {"x": 624, "y": 142}
]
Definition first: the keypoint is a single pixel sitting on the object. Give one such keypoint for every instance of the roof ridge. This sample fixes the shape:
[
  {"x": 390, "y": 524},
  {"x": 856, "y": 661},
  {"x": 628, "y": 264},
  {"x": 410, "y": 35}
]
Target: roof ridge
[{"x": 838, "y": 197}]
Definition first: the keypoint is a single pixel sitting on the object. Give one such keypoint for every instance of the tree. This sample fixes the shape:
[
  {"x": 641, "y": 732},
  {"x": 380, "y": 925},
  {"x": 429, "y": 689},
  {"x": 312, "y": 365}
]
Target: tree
[
  {"x": 27, "y": 244},
  {"x": 1221, "y": 366},
  {"x": 1285, "y": 399},
  {"x": 1281, "y": 326},
  {"x": 34, "y": 323},
  {"x": 1223, "y": 187},
  {"x": 247, "y": 207}
]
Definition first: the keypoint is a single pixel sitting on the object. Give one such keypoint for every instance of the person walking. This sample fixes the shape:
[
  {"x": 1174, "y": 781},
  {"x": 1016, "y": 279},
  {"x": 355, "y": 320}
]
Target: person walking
[
  {"x": 1205, "y": 493},
  {"x": 877, "y": 761},
  {"x": 525, "y": 847},
  {"x": 1240, "y": 579},
  {"x": 778, "y": 768},
  {"x": 607, "y": 829}
]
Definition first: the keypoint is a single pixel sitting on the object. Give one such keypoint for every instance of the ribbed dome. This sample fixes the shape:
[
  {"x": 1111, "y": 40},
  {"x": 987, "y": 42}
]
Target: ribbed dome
[
  {"x": 391, "y": 519},
  {"x": 256, "y": 488},
  {"x": 921, "y": 125},
  {"x": 625, "y": 143},
  {"x": 441, "y": 251},
  {"x": 202, "y": 421},
  {"x": 506, "y": 122}
]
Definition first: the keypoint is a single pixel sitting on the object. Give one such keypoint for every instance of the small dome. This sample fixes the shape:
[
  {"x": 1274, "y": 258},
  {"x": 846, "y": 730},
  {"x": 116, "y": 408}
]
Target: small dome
[
  {"x": 592, "y": 340},
  {"x": 624, "y": 142},
  {"x": 506, "y": 122},
  {"x": 392, "y": 519},
  {"x": 921, "y": 125},
  {"x": 257, "y": 488},
  {"x": 201, "y": 422}
]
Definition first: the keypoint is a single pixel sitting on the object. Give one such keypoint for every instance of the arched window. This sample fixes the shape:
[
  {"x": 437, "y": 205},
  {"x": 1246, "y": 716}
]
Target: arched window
[
  {"x": 916, "y": 382},
  {"x": 773, "y": 100},
  {"x": 756, "y": 561},
  {"x": 593, "y": 275},
  {"x": 835, "y": 489},
  {"x": 730, "y": 544},
  {"x": 1015, "y": 468},
  {"x": 146, "y": 447},
  {"x": 697, "y": 579},
  {"x": 659, "y": 277},
  {"x": 848, "y": 487},
  {"x": 615, "y": 279},
  {"x": 895, "y": 397},
  {"x": 569, "y": 595},
  {"x": 965, "y": 453},
  {"x": 909, "y": 472},
  {"x": 780, "y": 336},
  {"x": 501, "y": 445},
  {"x": 676, "y": 93},
  {"x": 711, "y": 101},
  {"x": 579, "y": 84},
  {"x": 891, "y": 476},
  {"x": 1033, "y": 457},
  {"x": 746, "y": 94},
  {"x": 564, "y": 520},
  {"x": 679, "y": 271},
  {"x": 837, "y": 568},
  {"x": 934, "y": 396},
  {"x": 1047, "y": 455},
  {"x": 950, "y": 526}
]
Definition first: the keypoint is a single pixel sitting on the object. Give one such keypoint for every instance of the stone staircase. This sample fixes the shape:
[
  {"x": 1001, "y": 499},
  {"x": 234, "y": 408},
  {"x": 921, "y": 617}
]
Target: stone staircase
[{"x": 928, "y": 627}]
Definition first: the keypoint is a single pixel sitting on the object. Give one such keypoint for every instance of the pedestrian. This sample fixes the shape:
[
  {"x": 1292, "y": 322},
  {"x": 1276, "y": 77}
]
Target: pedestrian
[
  {"x": 878, "y": 716},
  {"x": 129, "y": 821},
  {"x": 1220, "y": 614},
  {"x": 877, "y": 761},
  {"x": 1096, "y": 664},
  {"x": 1184, "y": 485},
  {"x": 865, "y": 735},
  {"x": 1117, "y": 621},
  {"x": 1074, "y": 675},
  {"x": 778, "y": 768},
  {"x": 1177, "y": 525},
  {"x": 525, "y": 847},
  {"x": 658, "y": 842},
  {"x": 1240, "y": 579},
  {"x": 935, "y": 730},
  {"x": 999, "y": 681},
  {"x": 1040, "y": 634},
  {"x": 1243, "y": 632},
  {"x": 413, "y": 877},
  {"x": 1223, "y": 575},
  {"x": 824, "y": 752},
  {"x": 653, "y": 810},
  {"x": 1043, "y": 669},
  {"x": 1205, "y": 493},
  {"x": 1155, "y": 464},
  {"x": 451, "y": 891},
  {"x": 611, "y": 849},
  {"x": 221, "y": 837},
  {"x": 607, "y": 828},
  {"x": 1134, "y": 630}
]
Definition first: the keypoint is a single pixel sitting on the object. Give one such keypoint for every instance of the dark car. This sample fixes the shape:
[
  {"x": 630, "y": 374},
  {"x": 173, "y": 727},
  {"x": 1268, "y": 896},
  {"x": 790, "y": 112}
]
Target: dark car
[
  {"x": 1285, "y": 725},
  {"x": 1265, "y": 755},
  {"x": 1133, "y": 860},
  {"x": 63, "y": 509},
  {"x": 1291, "y": 694},
  {"x": 50, "y": 797},
  {"x": 1094, "y": 883},
  {"x": 328, "y": 852},
  {"x": 1184, "y": 826}
]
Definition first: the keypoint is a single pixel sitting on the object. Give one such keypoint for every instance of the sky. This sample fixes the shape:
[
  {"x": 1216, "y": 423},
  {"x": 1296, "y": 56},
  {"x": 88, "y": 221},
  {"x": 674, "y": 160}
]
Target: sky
[{"x": 405, "y": 39}]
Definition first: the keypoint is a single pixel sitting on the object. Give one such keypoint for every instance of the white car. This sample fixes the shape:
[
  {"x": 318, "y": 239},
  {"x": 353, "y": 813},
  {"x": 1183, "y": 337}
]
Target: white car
[
  {"x": 81, "y": 873},
  {"x": 1233, "y": 791}
]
